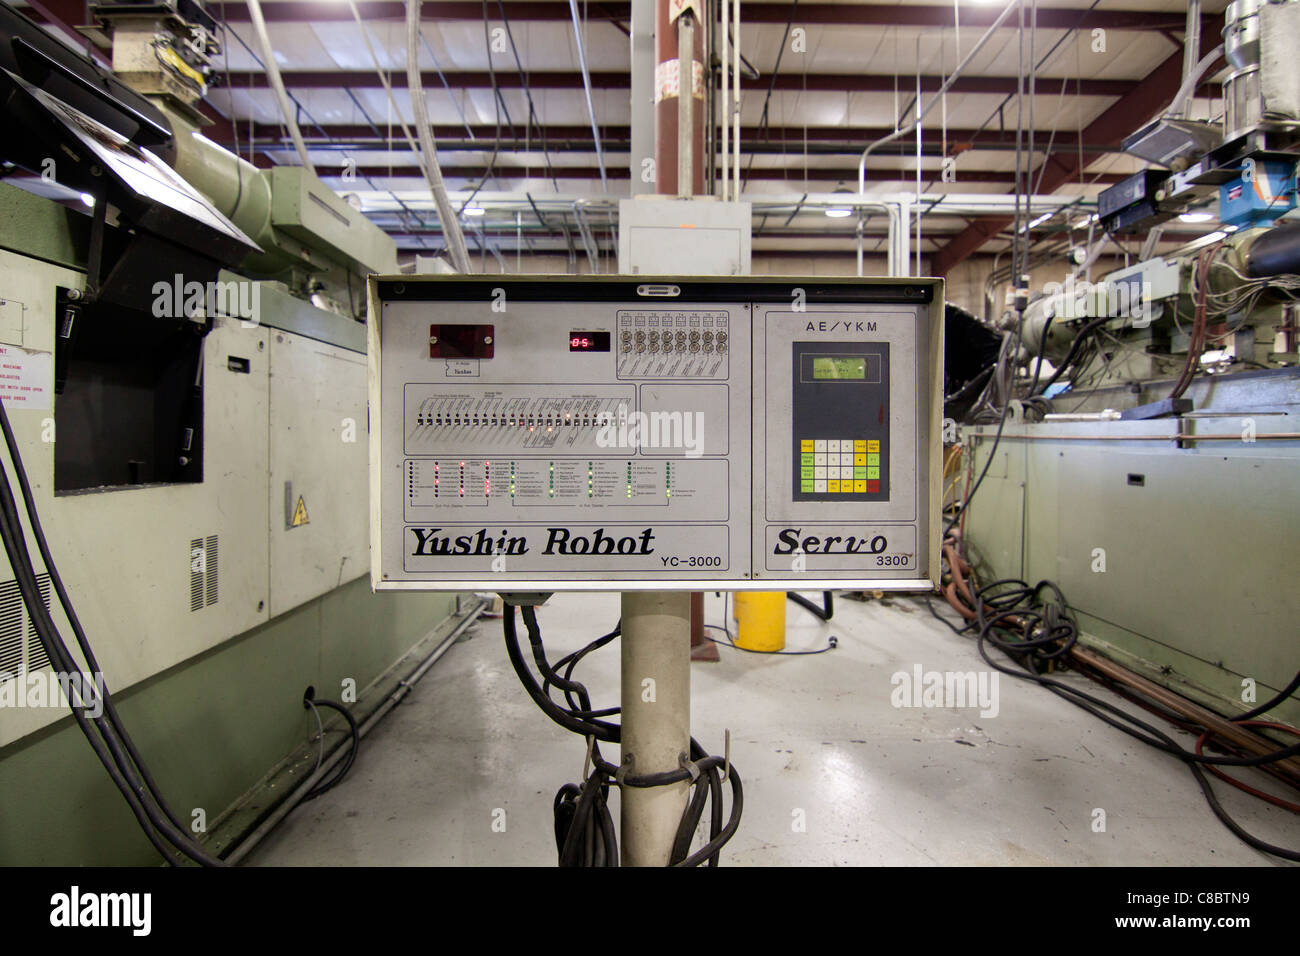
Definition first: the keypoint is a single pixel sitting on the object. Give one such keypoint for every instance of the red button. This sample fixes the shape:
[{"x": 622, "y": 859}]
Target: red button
[{"x": 873, "y": 486}]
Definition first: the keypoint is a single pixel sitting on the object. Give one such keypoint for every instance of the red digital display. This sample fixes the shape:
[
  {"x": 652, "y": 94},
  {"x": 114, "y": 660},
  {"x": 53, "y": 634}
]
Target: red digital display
[{"x": 589, "y": 341}]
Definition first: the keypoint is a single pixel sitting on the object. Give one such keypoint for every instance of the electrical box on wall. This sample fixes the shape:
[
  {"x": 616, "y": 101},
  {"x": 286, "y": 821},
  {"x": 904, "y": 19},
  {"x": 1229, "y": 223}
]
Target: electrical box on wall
[
  {"x": 703, "y": 237},
  {"x": 626, "y": 433}
]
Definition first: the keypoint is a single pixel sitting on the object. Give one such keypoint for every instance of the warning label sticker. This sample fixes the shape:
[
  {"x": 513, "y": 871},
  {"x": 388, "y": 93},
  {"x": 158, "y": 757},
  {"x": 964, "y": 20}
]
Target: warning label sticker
[
  {"x": 26, "y": 377},
  {"x": 299, "y": 514}
]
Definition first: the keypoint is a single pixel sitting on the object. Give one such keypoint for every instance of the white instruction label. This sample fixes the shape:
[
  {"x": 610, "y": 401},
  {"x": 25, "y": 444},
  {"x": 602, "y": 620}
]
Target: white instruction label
[{"x": 26, "y": 377}]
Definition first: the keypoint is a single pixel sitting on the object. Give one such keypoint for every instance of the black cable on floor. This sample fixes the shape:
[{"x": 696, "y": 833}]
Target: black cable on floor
[
  {"x": 1034, "y": 627},
  {"x": 341, "y": 771},
  {"x": 832, "y": 641}
]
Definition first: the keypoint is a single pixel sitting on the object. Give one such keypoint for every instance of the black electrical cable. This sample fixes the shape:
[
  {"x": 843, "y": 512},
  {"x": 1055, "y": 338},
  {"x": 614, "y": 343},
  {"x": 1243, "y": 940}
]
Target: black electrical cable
[
  {"x": 997, "y": 437},
  {"x": 970, "y": 386},
  {"x": 825, "y": 612},
  {"x": 1075, "y": 348},
  {"x": 1268, "y": 705},
  {"x": 831, "y": 642},
  {"x": 941, "y": 619},
  {"x": 584, "y": 828},
  {"x": 114, "y": 748},
  {"x": 1039, "y": 632},
  {"x": 65, "y": 601},
  {"x": 341, "y": 771}
]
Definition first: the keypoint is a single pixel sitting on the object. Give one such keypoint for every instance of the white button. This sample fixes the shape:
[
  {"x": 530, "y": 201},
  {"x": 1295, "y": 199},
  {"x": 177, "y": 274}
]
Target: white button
[
  {"x": 819, "y": 472},
  {"x": 847, "y": 473},
  {"x": 819, "y": 487},
  {"x": 819, "y": 444},
  {"x": 819, "y": 458},
  {"x": 833, "y": 445},
  {"x": 846, "y": 458}
]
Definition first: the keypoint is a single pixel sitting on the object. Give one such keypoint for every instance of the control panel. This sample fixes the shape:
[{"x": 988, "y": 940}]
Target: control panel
[
  {"x": 841, "y": 420},
  {"x": 624, "y": 433}
]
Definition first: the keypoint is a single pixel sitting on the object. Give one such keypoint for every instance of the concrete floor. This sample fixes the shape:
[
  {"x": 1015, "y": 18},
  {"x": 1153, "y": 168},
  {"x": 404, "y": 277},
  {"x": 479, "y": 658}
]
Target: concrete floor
[{"x": 816, "y": 738}]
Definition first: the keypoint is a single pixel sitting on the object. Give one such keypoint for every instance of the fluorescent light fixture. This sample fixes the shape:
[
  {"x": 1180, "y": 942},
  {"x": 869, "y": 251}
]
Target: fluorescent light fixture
[
  {"x": 473, "y": 211},
  {"x": 88, "y": 199},
  {"x": 1196, "y": 216},
  {"x": 1034, "y": 224}
]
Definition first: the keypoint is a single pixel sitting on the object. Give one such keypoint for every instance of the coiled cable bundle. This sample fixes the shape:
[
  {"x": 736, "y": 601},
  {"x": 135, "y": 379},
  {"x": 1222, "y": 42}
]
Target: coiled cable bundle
[{"x": 584, "y": 826}]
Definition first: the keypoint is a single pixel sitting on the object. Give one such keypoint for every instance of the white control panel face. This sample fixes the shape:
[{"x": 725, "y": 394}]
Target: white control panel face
[{"x": 623, "y": 433}]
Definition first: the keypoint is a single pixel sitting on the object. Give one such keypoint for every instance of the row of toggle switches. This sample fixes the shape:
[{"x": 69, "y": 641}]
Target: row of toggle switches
[
  {"x": 511, "y": 420},
  {"x": 669, "y": 342}
]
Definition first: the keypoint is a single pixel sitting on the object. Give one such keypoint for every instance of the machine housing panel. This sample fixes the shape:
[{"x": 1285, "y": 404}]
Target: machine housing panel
[{"x": 621, "y": 433}]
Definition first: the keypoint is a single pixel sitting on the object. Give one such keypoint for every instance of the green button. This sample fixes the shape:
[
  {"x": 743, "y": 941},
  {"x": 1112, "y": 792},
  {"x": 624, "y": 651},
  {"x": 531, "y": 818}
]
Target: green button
[
  {"x": 806, "y": 486},
  {"x": 873, "y": 472},
  {"x": 807, "y": 458},
  {"x": 873, "y": 458},
  {"x": 860, "y": 474},
  {"x": 806, "y": 471}
]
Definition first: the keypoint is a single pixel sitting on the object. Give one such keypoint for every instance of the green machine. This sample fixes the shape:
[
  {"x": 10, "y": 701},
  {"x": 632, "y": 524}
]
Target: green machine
[
  {"x": 1160, "y": 489},
  {"x": 1150, "y": 464},
  {"x": 184, "y": 343}
]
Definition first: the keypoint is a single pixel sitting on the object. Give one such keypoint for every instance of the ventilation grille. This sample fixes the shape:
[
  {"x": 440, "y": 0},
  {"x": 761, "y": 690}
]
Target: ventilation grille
[
  {"x": 197, "y": 563},
  {"x": 36, "y": 656},
  {"x": 20, "y": 648},
  {"x": 203, "y": 572},
  {"x": 211, "y": 547}
]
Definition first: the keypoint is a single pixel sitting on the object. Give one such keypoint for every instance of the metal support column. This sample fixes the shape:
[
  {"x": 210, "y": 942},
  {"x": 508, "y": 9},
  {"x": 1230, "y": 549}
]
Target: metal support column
[
  {"x": 642, "y": 42},
  {"x": 656, "y": 719},
  {"x": 685, "y": 106}
]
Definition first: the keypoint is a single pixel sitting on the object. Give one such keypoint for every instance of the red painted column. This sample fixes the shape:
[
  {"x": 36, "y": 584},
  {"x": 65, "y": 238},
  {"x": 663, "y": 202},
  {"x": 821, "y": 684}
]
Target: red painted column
[{"x": 666, "y": 93}]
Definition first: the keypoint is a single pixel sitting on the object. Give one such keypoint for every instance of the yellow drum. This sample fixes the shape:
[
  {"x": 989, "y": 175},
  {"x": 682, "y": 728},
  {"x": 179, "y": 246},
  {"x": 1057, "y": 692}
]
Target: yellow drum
[{"x": 760, "y": 619}]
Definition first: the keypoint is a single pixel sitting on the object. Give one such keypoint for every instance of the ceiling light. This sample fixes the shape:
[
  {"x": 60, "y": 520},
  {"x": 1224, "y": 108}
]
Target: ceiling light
[
  {"x": 88, "y": 199},
  {"x": 1034, "y": 224},
  {"x": 473, "y": 211},
  {"x": 840, "y": 212},
  {"x": 1196, "y": 216}
]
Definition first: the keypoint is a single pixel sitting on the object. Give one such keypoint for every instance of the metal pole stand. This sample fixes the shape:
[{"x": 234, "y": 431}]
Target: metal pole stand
[{"x": 656, "y": 720}]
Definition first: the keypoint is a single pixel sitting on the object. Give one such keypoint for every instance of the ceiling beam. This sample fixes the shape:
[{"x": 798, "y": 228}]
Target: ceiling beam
[
  {"x": 827, "y": 14},
  {"x": 409, "y": 170},
  {"x": 1127, "y": 115},
  {"x": 620, "y": 80},
  {"x": 788, "y": 140}
]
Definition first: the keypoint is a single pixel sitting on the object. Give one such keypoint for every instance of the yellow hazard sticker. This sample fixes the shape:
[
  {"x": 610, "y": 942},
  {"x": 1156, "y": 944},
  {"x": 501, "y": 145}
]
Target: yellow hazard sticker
[{"x": 300, "y": 514}]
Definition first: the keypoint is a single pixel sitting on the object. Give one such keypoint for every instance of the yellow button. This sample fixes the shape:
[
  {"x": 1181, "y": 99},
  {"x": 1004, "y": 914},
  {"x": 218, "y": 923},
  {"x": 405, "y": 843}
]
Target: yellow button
[
  {"x": 833, "y": 487},
  {"x": 846, "y": 487},
  {"x": 860, "y": 461},
  {"x": 859, "y": 447},
  {"x": 859, "y": 487},
  {"x": 805, "y": 446},
  {"x": 873, "y": 446}
]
